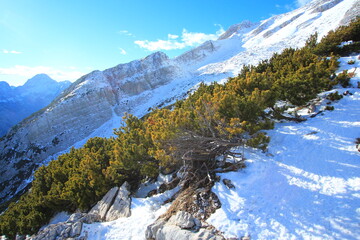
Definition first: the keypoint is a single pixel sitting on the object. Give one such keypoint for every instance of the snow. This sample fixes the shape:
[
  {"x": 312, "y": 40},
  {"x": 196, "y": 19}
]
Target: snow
[
  {"x": 308, "y": 187},
  {"x": 58, "y": 218},
  {"x": 144, "y": 211}
]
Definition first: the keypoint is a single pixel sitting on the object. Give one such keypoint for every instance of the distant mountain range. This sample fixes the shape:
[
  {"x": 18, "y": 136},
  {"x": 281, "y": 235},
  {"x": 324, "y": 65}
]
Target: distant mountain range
[
  {"x": 17, "y": 103},
  {"x": 95, "y": 103}
]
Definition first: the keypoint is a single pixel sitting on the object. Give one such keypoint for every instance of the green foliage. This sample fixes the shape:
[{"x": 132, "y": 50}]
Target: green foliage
[
  {"x": 260, "y": 140},
  {"x": 329, "y": 108},
  {"x": 334, "y": 96},
  {"x": 343, "y": 79},
  {"x": 331, "y": 42}
]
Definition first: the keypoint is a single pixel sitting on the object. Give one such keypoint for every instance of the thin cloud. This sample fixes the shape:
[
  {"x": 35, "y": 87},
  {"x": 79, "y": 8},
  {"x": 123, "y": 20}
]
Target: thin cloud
[
  {"x": 187, "y": 39},
  {"x": 10, "y": 51},
  {"x": 126, "y": 33},
  {"x": 122, "y": 51},
  {"x": 172, "y": 36},
  {"x": 28, "y": 72},
  {"x": 300, "y": 3}
]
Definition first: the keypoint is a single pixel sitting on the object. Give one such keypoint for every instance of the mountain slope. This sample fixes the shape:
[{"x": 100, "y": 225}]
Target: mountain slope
[
  {"x": 93, "y": 105},
  {"x": 305, "y": 187},
  {"x": 308, "y": 188},
  {"x": 17, "y": 103}
]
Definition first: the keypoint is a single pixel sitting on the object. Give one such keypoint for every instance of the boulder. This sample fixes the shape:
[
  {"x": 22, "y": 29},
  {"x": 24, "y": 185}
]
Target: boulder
[
  {"x": 184, "y": 220},
  {"x": 228, "y": 183},
  {"x": 152, "y": 229},
  {"x": 71, "y": 229},
  {"x": 182, "y": 226},
  {"x": 121, "y": 205},
  {"x": 102, "y": 207}
]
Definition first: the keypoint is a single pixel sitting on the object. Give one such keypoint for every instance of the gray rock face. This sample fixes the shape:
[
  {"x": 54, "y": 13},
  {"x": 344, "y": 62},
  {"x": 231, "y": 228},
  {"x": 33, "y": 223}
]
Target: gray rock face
[
  {"x": 121, "y": 205},
  {"x": 102, "y": 207},
  {"x": 233, "y": 29},
  {"x": 184, "y": 220},
  {"x": 351, "y": 13},
  {"x": 182, "y": 226},
  {"x": 66, "y": 230},
  {"x": 115, "y": 204}
]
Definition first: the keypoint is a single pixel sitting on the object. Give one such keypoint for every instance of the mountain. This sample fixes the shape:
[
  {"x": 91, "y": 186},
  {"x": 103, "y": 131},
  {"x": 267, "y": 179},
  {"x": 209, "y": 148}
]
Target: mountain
[
  {"x": 93, "y": 105},
  {"x": 17, "y": 103}
]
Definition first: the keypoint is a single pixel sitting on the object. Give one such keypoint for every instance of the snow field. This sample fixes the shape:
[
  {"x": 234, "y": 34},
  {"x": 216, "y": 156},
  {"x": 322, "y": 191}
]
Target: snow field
[{"x": 308, "y": 187}]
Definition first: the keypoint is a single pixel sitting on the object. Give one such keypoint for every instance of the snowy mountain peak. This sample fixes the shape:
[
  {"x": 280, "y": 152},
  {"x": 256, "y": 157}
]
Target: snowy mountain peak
[
  {"x": 237, "y": 28},
  {"x": 156, "y": 56}
]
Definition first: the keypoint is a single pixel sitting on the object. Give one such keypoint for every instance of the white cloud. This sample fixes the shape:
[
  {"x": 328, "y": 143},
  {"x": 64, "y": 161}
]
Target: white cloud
[
  {"x": 187, "y": 39},
  {"x": 301, "y": 3},
  {"x": 126, "y": 33},
  {"x": 11, "y": 52},
  {"x": 28, "y": 72},
  {"x": 172, "y": 36},
  {"x": 122, "y": 51}
]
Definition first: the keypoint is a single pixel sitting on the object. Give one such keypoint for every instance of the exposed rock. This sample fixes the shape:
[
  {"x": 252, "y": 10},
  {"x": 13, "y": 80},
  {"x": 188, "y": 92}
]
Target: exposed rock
[
  {"x": 178, "y": 228},
  {"x": 168, "y": 186},
  {"x": 327, "y": 5},
  {"x": 236, "y": 28},
  {"x": 151, "y": 193},
  {"x": 184, "y": 220},
  {"x": 121, "y": 205},
  {"x": 152, "y": 229},
  {"x": 20, "y": 237},
  {"x": 103, "y": 206},
  {"x": 76, "y": 229},
  {"x": 228, "y": 183},
  {"x": 71, "y": 229},
  {"x": 173, "y": 232}
]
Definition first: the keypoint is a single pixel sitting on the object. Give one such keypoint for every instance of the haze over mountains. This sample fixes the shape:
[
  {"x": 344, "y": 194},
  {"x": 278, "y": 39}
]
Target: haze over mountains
[
  {"x": 94, "y": 104},
  {"x": 17, "y": 103}
]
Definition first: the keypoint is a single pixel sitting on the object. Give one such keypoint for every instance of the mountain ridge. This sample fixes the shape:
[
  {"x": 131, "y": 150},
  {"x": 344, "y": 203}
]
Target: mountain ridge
[{"x": 17, "y": 103}]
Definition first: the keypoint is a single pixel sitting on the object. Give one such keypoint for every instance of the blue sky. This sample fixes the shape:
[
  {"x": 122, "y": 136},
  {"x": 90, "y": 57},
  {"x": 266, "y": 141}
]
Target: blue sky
[{"x": 69, "y": 38}]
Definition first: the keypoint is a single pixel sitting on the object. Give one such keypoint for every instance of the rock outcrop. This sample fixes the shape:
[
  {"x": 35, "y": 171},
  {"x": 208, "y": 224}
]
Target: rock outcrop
[
  {"x": 102, "y": 207},
  {"x": 182, "y": 226},
  {"x": 115, "y": 204},
  {"x": 69, "y": 229},
  {"x": 121, "y": 205}
]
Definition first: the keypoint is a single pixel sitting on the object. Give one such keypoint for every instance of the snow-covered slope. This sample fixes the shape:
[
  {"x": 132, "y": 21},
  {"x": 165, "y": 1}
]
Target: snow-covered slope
[
  {"x": 17, "y": 103},
  {"x": 307, "y": 186},
  {"x": 94, "y": 104}
]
